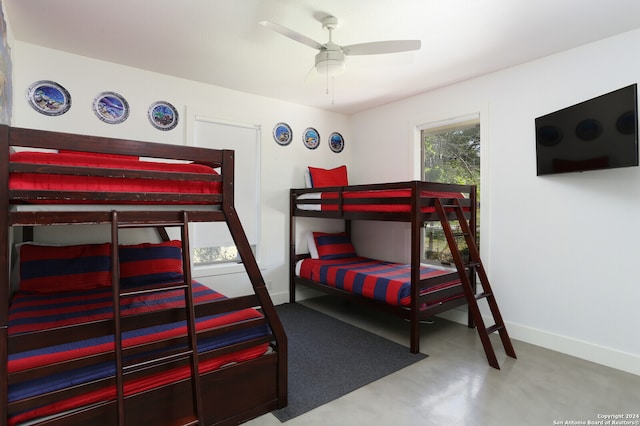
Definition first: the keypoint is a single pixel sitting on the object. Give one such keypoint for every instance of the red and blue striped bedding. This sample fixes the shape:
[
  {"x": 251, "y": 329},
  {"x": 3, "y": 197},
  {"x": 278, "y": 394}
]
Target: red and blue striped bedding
[
  {"x": 31, "y": 311},
  {"x": 386, "y": 282}
]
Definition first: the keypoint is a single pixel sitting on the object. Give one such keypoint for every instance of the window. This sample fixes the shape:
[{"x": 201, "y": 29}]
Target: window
[
  {"x": 228, "y": 253},
  {"x": 450, "y": 154},
  {"x": 212, "y": 242}
]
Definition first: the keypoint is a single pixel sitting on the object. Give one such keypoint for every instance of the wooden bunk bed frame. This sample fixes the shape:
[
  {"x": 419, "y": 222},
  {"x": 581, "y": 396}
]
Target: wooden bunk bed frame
[
  {"x": 231, "y": 394},
  {"x": 420, "y": 206}
]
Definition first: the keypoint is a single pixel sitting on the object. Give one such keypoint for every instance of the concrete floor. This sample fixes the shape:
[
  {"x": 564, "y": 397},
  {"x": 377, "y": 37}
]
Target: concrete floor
[{"x": 456, "y": 386}]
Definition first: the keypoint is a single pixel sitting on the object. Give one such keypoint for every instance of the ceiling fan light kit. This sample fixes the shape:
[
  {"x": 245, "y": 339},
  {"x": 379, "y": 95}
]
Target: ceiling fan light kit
[{"x": 330, "y": 62}]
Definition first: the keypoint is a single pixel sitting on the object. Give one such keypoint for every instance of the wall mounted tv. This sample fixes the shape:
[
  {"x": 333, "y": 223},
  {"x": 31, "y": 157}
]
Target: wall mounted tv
[{"x": 601, "y": 133}]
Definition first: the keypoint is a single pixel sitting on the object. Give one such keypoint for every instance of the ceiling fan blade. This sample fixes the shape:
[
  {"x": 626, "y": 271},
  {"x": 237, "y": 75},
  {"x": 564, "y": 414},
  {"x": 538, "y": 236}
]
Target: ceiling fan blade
[
  {"x": 293, "y": 35},
  {"x": 377, "y": 47}
]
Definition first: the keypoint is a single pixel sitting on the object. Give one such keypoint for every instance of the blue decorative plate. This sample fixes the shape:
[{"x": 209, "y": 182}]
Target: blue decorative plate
[
  {"x": 311, "y": 138},
  {"x": 282, "y": 134},
  {"x": 163, "y": 115},
  {"x": 336, "y": 142},
  {"x": 111, "y": 107},
  {"x": 49, "y": 98}
]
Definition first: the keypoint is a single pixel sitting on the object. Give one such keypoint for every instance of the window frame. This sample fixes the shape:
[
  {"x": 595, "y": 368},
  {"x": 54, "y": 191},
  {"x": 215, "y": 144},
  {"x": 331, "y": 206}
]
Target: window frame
[
  {"x": 457, "y": 123},
  {"x": 193, "y": 116}
]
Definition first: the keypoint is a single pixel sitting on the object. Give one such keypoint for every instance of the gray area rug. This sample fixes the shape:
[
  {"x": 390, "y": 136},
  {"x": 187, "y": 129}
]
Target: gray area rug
[{"x": 329, "y": 358}]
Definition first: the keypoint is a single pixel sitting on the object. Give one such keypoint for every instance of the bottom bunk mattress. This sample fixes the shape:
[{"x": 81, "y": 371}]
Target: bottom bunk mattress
[
  {"x": 32, "y": 311},
  {"x": 386, "y": 282}
]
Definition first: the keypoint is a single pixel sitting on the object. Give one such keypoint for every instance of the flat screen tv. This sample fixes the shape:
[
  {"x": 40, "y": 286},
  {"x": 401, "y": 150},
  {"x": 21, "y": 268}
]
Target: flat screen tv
[{"x": 601, "y": 133}]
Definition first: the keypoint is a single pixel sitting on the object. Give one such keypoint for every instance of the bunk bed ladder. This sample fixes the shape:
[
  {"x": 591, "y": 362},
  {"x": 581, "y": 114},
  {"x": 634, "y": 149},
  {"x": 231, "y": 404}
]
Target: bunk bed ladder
[
  {"x": 191, "y": 351},
  {"x": 465, "y": 271}
]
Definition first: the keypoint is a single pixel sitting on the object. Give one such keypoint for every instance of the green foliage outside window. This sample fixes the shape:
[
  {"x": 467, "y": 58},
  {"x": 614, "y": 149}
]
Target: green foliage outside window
[
  {"x": 452, "y": 156},
  {"x": 449, "y": 156},
  {"x": 212, "y": 255},
  {"x": 221, "y": 254}
]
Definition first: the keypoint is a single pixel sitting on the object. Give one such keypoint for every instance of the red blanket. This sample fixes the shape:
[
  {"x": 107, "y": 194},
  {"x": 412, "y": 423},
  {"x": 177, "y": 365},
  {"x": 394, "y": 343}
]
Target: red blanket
[
  {"x": 390, "y": 200},
  {"x": 53, "y": 182}
]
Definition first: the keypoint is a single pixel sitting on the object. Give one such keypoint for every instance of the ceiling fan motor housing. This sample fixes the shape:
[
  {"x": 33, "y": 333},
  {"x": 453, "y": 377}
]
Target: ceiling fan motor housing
[{"x": 330, "y": 61}]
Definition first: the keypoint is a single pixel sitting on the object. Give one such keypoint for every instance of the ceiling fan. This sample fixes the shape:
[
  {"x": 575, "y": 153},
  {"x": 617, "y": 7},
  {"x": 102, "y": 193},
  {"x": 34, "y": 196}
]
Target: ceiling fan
[{"x": 330, "y": 58}]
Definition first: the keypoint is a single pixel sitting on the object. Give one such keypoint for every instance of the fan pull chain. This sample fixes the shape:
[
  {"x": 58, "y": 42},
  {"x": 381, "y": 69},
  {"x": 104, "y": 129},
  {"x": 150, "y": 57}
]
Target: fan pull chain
[
  {"x": 333, "y": 90},
  {"x": 327, "y": 62}
]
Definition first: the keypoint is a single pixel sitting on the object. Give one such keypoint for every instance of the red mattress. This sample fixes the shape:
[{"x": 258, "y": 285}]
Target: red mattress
[
  {"x": 57, "y": 182},
  {"x": 36, "y": 311},
  {"x": 392, "y": 200},
  {"x": 383, "y": 281}
]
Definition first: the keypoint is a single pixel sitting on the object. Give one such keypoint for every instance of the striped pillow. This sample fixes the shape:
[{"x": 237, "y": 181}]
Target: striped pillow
[
  {"x": 333, "y": 246},
  {"x": 150, "y": 262},
  {"x": 48, "y": 269}
]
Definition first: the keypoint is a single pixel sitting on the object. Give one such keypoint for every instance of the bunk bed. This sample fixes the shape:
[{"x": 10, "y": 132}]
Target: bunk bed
[
  {"x": 110, "y": 333},
  {"x": 414, "y": 291}
]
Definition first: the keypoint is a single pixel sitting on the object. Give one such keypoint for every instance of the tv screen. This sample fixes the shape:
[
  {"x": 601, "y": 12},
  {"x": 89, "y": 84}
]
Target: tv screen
[{"x": 601, "y": 133}]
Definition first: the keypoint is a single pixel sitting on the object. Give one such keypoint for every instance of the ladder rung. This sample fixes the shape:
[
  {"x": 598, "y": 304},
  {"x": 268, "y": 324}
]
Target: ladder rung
[
  {"x": 154, "y": 289},
  {"x": 460, "y": 234},
  {"x": 494, "y": 328},
  {"x": 157, "y": 361},
  {"x": 483, "y": 295},
  {"x": 472, "y": 264},
  {"x": 122, "y": 225}
]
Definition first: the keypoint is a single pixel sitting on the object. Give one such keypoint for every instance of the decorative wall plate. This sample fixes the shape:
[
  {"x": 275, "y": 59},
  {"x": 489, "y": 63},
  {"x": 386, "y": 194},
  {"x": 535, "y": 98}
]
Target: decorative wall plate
[
  {"x": 311, "y": 138},
  {"x": 282, "y": 134},
  {"x": 163, "y": 115},
  {"x": 336, "y": 142},
  {"x": 49, "y": 98},
  {"x": 111, "y": 107}
]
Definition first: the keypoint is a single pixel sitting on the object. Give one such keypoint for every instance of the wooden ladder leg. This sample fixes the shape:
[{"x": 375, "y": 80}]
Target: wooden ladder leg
[
  {"x": 117, "y": 328},
  {"x": 487, "y": 293},
  {"x": 192, "y": 342},
  {"x": 191, "y": 321},
  {"x": 472, "y": 297}
]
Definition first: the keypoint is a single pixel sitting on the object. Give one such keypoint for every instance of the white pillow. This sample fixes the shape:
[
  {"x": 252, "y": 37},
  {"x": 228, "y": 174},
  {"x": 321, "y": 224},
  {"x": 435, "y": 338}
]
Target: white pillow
[{"x": 307, "y": 179}]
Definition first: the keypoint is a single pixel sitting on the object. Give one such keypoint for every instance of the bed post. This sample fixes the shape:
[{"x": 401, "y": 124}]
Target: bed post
[
  {"x": 5, "y": 258},
  {"x": 416, "y": 226},
  {"x": 292, "y": 247},
  {"x": 473, "y": 224},
  {"x": 347, "y": 228}
]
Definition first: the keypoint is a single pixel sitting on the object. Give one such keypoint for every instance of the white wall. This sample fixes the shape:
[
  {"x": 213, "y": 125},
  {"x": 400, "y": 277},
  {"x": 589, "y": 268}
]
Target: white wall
[
  {"x": 560, "y": 250},
  {"x": 282, "y": 167}
]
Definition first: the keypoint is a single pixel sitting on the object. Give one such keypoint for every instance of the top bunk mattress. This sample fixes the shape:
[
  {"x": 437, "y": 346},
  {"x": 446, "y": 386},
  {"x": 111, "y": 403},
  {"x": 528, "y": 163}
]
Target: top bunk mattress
[
  {"x": 379, "y": 201},
  {"x": 109, "y": 174}
]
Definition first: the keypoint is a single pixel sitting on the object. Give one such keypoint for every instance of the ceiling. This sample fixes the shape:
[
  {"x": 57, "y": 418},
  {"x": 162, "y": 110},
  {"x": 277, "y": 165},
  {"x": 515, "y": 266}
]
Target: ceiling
[{"x": 220, "y": 42}]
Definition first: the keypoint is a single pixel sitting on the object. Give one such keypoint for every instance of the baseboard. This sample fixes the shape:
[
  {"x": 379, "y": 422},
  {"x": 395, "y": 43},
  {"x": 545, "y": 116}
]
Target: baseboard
[
  {"x": 567, "y": 345},
  {"x": 580, "y": 349}
]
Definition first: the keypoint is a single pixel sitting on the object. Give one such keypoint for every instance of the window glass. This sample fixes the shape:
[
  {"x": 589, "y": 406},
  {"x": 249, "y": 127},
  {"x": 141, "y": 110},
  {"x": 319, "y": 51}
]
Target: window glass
[{"x": 450, "y": 154}]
